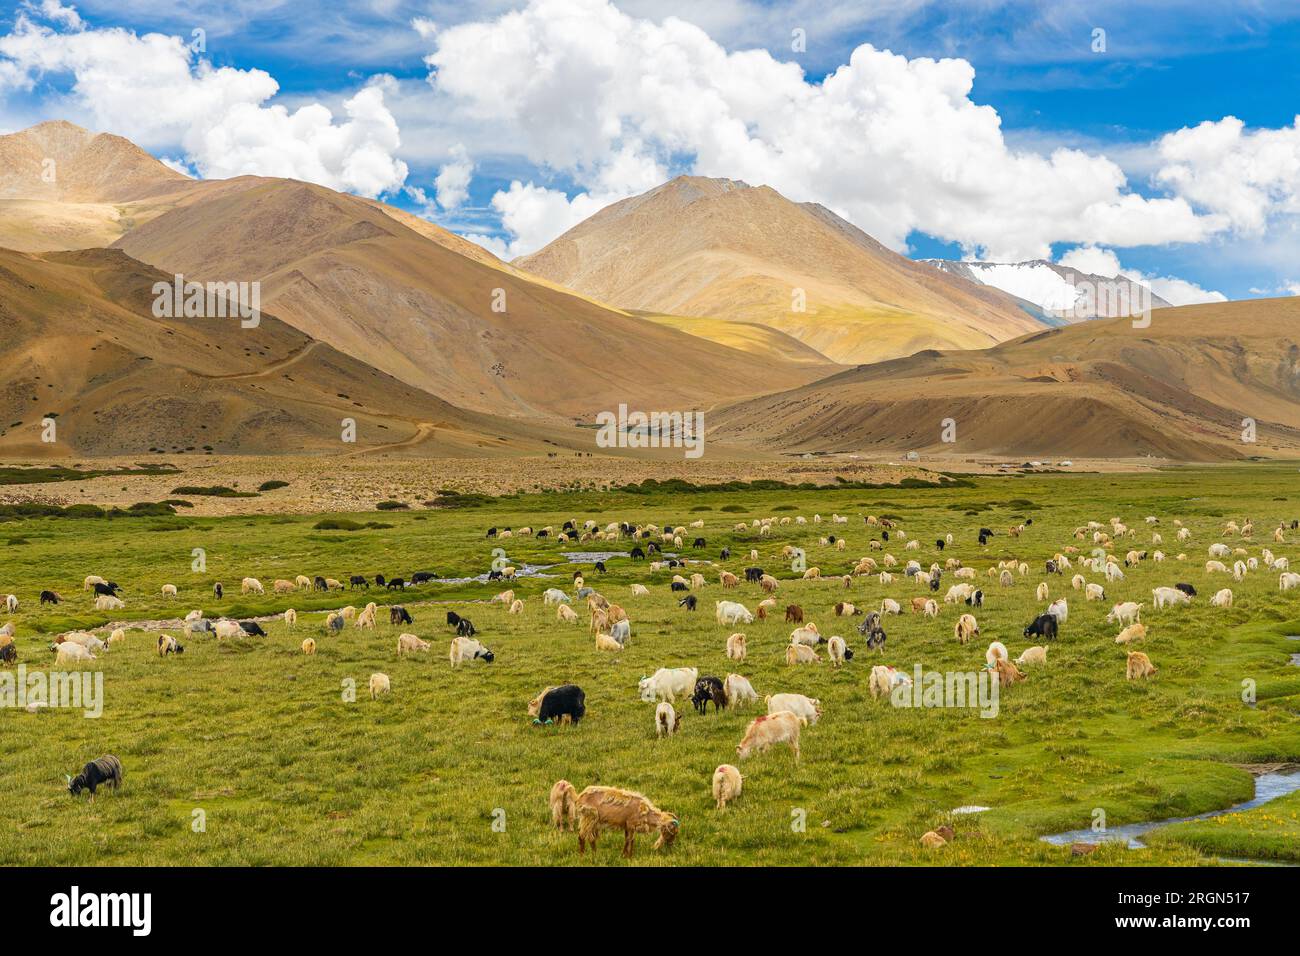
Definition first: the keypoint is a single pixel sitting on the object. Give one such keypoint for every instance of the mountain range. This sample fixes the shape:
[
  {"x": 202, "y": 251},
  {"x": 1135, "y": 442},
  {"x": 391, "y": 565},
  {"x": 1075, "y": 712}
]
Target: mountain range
[{"x": 795, "y": 330}]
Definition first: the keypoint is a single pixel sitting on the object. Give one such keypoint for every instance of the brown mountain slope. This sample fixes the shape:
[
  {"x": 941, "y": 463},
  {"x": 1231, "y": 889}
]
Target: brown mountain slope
[
  {"x": 82, "y": 344},
  {"x": 1180, "y": 389},
  {"x": 722, "y": 249},
  {"x": 64, "y": 187},
  {"x": 355, "y": 274}
]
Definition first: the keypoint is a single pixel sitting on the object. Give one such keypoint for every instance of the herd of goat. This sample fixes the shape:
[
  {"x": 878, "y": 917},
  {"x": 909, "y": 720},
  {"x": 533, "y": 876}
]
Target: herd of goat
[{"x": 1097, "y": 551}]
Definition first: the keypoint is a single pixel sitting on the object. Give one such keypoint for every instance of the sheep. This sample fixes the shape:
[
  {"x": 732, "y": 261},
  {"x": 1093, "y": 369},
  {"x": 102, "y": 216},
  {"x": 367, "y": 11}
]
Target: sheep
[
  {"x": 309, "y": 646},
  {"x": 809, "y": 708},
  {"x": 736, "y": 647},
  {"x": 1033, "y": 655},
  {"x": 738, "y": 690},
  {"x": 251, "y": 585},
  {"x": 769, "y": 730},
  {"x": 379, "y": 684},
  {"x": 611, "y": 808},
  {"x": 1169, "y": 596},
  {"x": 667, "y": 721},
  {"x": 965, "y": 628},
  {"x": 668, "y": 683},
  {"x": 168, "y": 591},
  {"x": 410, "y": 644},
  {"x": 1139, "y": 666},
  {"x": 1134, "y": 632},
  {"x": 997, "y": 651},
  {"x": 837, "y": 650},
  {"x": 302, "y": 582},
  {"x": 563, "y": 802},
  {"x": 726, "y": 785},
  {"x": 1222, "y": 598},
  {"x": 117, "y": 637},
  {"x": 467, "y": 649}
]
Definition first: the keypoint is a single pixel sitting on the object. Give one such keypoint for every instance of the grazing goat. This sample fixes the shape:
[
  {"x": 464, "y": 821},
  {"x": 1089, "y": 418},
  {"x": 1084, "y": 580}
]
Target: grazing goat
[
  {"x": 738, "y": 690},
  {"x": 726, "y": 785},
  {"x": 707, "y": 689},
  {"x": 169, "y": 645},
  {"x": 609, "y": 808},
  {"x": 771, "y": 729},
  {"x": 563, "y": 802},
  {"x": 565, "y": 704},
  {"x": 103, "y": 771},
  {"x": 1139, "y": 666},
  {"x": 667, "y": 721},
  {"x": 467, "y": 649}
]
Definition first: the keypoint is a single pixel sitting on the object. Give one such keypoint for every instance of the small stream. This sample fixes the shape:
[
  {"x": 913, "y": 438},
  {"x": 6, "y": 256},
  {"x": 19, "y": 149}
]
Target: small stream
[
  {"x": 1268, "y": 786},
  {"x": 521, "y": 571}
]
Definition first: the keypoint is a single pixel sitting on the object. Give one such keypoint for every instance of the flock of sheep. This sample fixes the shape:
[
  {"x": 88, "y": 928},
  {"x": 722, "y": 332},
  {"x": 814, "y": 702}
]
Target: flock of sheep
[{"x": 1096, "y": 551}]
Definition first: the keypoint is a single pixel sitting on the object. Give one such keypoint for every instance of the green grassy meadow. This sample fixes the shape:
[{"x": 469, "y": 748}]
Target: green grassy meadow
[{"x": 449, "y": 769}]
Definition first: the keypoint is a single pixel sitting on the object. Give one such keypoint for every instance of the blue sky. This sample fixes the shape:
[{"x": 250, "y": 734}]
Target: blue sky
[{"x": 1042, "y": 141}]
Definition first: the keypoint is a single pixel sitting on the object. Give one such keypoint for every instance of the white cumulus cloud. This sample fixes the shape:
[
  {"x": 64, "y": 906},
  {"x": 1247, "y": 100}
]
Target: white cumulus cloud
[
  {"x": 895, "y": 145},
  {"x": 157, "y": 91}
]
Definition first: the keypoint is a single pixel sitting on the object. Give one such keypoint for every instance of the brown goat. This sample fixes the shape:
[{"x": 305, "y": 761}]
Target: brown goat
[
  {"x": 564, "y": 806},
  {"x": 609, "y": 808},
  {"x": 793, "y": 614}
]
